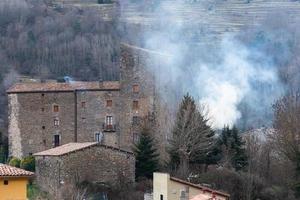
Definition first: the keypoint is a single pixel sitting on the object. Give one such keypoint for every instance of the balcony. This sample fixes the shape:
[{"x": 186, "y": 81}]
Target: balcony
[{"x": 108, "y": 127}]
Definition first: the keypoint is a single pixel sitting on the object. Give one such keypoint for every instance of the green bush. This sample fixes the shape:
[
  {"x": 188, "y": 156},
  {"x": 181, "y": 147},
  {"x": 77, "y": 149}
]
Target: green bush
[
  {"x": 28, "y": 163},
  {"x": 15, "y": 162},
  {"x": 34, "y": 192}
]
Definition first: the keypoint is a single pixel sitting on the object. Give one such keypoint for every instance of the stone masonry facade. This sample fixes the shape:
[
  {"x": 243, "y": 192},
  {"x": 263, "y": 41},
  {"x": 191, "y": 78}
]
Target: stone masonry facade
[
  {"x": 95, "y": 164},
  {"x": 45, "y": 115}
]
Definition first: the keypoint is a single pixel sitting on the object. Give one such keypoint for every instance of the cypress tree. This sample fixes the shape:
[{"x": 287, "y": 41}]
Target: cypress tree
[{"x": 146, "y": 156}]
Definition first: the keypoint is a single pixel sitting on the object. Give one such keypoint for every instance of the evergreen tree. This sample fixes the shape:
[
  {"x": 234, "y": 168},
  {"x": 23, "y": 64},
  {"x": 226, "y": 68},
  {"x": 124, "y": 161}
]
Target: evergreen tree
[
  {"x": 193, "y": 138},
  {"x": 233, "y": 145},
  {"x": 3, "y": 148},
  {"x": 146, "y": 155}
]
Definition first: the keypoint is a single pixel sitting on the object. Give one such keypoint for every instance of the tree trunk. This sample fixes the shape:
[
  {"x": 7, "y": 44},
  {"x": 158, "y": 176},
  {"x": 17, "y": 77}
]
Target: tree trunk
[{"x": 183, "y": 170}]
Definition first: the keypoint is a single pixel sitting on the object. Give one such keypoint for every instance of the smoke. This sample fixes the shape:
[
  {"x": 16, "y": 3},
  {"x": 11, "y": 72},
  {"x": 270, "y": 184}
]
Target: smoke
[
  {"x": 238, "y": 81},
  {"x": 225, "y": 85}
]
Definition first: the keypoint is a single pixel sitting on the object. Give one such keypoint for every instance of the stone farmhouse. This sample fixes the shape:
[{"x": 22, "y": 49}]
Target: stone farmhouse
[
  {"x": 43, "y": 115},
  {"x": 74, "y": 163}
]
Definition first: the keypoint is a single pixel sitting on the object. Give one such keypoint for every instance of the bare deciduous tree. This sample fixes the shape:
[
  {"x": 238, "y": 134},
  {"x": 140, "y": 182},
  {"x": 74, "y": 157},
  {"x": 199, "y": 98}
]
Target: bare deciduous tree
[{"x": 287, "y": 125}]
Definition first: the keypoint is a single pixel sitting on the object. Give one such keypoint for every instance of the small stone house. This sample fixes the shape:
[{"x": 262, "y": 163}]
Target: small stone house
[
  {"x": 13, "y": 182},
  {"x": 75, "y": 163}
]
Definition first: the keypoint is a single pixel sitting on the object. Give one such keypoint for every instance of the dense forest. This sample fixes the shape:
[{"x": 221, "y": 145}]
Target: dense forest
[{"x": 42, "y": 40}]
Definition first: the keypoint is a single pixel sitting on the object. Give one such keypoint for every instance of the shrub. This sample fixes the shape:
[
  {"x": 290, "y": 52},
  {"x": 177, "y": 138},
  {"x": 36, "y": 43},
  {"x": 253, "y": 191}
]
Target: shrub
[
  {"x": 28, "y": 163},
  {"x": 15, "y": 162}
]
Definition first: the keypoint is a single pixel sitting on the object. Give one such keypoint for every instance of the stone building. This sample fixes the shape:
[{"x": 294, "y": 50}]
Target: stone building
[
  {"x": 60, "y": 168},
  {"x": 44, "y": 115}
]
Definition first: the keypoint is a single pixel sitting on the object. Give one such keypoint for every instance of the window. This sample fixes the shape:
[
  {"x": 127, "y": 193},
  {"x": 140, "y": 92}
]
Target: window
[
  {"x": 43, "y": 94},
  {"x": 135, "y": 138},
  {"x": 161, "y": 197},
  {"x": 135, "y": 105},
  {"x": 135, "y": 120},
  {"x": 56, "y": 122},
  {"x": 109, "y": 122},
  {"x": 109, "y": 103},
  {"x": 98, "y": 137},
  {"x": 43, "y": 127},
  {"x": 55, "y": 108},
  {"x": 56, "y": 140},
  {"x": 43, "y": 109},
  {"x": 136, "y": 88},
  {"x": 5, "y": 182},
  {"x": 83, "y": 104}
]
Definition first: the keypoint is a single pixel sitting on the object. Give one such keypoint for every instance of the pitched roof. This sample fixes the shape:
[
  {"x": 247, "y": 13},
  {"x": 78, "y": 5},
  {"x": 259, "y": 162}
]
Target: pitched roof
[
  {"x": 72, "y": 147},
  {"x": 9, "y": 171},
  {"x": 64, "y": 149},
  {"x": 206, "y": 189},
  {"x": 63, "y": 87}
]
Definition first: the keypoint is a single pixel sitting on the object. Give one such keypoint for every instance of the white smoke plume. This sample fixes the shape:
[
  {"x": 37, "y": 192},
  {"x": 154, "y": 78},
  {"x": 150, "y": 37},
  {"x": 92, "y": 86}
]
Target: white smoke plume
[
  {"x": 225, "y": 85},
  {"x": 224, "y": 73}
]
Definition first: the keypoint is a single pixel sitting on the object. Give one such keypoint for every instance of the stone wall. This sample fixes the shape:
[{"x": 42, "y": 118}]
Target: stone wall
[
  {"x": 133, "y": 71},
  {"x": 47, "y": 174},
  {"x": 138, "y": 66},
  {"x": 94, "y": 164},
  {"x": 36, "y": 121},
  {"x": 91, "y": 118},
  {"x": 15, "y": 146},
  {"x": 32, "y": 126}
]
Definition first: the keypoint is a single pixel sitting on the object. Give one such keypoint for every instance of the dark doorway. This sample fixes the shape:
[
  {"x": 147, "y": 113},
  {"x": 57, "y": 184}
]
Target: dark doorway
[{"x": 56, "y": 141}]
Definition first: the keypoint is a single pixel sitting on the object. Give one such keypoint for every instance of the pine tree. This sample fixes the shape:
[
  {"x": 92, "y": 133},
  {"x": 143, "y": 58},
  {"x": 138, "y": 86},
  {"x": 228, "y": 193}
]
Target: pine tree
[
  {"x": 233, "y": 146},
  {"x": 146, "y": 155},
  {"x": 193, "y": 138}
]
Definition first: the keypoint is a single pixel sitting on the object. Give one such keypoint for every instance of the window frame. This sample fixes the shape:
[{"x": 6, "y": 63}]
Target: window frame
[
  {"x": 98, "y": 137},
  {"x": 109, "y": 103},
  {"x": 55, "y": 108},
  {"x": 54, "y": 141},
  {"x": 109, "y": 120},
  {"x": 135, "y": 120},
  {"x": 56, "y": 121},
  {"x": 161, "y": 197},
  {"x": 135, "y": 105},
  {"x": 135, "y": 137}
]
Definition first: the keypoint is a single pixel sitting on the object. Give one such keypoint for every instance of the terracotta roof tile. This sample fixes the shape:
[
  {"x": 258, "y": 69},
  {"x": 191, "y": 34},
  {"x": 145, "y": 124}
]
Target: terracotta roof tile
[
  {"x": 64, "y": 149},
  {"x": 7, "y": 171},
  {"x": 63, "y": 87},
  {"x": 200, "y": 187},
  {"x": 72, "y": 147}
]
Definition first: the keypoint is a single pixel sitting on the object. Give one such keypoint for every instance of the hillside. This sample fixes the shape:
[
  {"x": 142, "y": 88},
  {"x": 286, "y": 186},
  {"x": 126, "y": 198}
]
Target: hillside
[{"x": 215, "y": 17}]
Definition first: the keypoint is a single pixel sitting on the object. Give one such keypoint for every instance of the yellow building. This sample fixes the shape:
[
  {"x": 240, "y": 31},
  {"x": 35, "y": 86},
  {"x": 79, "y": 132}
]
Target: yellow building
[
  {"x": 13, "y": 183},
  {"x": 169, "y": 188}
]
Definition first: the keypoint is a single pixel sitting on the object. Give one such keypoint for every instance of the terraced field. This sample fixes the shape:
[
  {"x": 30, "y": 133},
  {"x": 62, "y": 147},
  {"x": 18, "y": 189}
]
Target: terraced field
[
  {"x": 204, "y": 21},
  {"x": 215, "y": 17}
]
